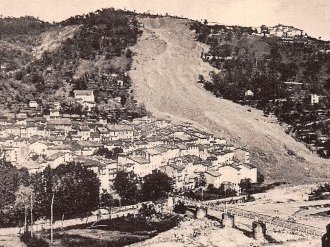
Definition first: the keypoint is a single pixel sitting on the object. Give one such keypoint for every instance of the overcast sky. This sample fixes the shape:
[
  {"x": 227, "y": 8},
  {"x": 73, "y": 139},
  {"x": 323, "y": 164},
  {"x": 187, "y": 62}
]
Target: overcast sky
[{"x": 311, "y": 15}]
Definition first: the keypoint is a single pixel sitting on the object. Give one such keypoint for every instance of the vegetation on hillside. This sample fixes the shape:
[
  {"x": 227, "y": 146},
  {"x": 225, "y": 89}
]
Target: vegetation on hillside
[
  {"x": 322, "y": 192},
  {"x": 18, "y": 36},
  {"x": 97, "y": 57},
  {"x": 262, "y": 65}
]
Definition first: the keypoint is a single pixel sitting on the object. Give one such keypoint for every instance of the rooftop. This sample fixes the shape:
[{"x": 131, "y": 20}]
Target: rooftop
[
  {"x": 119, "y": 127},
  {"x": 213, "y": 173},
  {"x": 83, "y": 92},
  {"x": 139, "y": 159}
]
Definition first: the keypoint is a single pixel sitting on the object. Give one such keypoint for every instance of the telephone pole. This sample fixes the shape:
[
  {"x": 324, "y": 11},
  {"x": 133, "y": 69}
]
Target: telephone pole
[
  {"x": 31, "y": 214},
  {"x": 51, "y": 218}
]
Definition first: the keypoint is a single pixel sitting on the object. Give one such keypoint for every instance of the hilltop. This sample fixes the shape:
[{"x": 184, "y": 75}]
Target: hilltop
[{"x": 165, "y": 70}]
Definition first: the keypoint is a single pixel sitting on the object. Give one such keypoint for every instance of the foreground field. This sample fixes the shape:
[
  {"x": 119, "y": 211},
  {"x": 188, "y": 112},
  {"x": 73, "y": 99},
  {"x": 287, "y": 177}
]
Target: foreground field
[
  {"x": 289, "y": 203},
  {"x": 115, "y": 233},
  {"x": 206, "y": 232},
  {"x": 165, "y": 71}
]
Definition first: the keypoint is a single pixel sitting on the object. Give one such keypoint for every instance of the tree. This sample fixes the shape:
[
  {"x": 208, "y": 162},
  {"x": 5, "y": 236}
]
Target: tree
[
  {"x": 78, "y": 190},
  {"x": 129, "y": 53},
  {"x": 126, "y": 186},
  {"x": 245, "y": 185},
  {"x": 19, "y": 75},
  {"x": 179, "y": 208},
  {"x": 9, "y": 183},
  {"x": 147, "y": 210},
  {"x": 72, "y": 187},
  {"x": 327, "y": 85},
  {"x": 43, "y": 187},
  {"x": 23, "y": 203},
  {"x": 200, "y": 180},
  {"x": 106, "y": 199},
  {"x": 156, "y": 186},
  {"x": 260, "y": 178},
  {"x": 201, "y": 79},
  {"x": 102, "y": 151},
  {"x": 211, "y": 188},
  {"x": 116, "y": 151},
  {"x": 10, "y": 180}
]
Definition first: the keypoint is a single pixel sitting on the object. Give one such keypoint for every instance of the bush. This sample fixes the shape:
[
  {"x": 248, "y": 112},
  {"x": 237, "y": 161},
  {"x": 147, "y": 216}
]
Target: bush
[
  {"x": 33, "y": 241},
  {"x": 180, "y": 208}
]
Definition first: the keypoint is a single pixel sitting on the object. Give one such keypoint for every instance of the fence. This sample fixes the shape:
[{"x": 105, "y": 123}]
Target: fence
[{"x": 116, "y": 212}]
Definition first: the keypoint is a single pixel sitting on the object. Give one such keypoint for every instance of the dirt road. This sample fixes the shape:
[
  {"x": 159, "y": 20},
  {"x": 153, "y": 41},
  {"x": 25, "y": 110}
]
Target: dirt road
[{"x": 164, "y": 73}]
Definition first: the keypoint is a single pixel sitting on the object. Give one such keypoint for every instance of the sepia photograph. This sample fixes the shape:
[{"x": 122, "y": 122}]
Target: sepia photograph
[{"x": 152, "y": 123}]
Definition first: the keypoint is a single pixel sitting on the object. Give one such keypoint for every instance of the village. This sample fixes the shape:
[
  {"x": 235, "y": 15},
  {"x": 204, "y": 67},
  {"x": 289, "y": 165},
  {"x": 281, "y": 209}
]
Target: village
[{"x": 141, "y": 146}]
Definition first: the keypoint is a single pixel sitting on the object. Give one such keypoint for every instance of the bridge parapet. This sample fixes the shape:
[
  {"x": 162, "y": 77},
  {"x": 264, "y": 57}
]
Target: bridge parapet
[{"x": 275, "y": 223}]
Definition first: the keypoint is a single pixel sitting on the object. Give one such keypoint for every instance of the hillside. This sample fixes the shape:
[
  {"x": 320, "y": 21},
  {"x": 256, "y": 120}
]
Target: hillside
[
  {"x": 18, "y": 36},
  {"x": 165, "y": 70},
  {"x": 47, "y": 62},
  {"x": 275, "y": 69}
]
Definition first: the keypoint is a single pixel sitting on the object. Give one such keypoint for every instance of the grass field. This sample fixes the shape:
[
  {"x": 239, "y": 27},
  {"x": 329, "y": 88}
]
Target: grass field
[{"x": 115, "y": 233}]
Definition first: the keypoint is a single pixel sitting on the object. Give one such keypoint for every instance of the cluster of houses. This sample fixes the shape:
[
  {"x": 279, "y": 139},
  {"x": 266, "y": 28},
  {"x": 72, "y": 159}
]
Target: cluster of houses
[
  {"x": 114, "y": 84},
  {"x": 286, "y": 33},
  {"x": 143, "y": 145}
]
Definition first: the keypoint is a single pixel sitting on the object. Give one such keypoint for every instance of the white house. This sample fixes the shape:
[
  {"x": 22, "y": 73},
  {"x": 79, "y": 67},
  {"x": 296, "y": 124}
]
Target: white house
[
  {"x": 120, "y": 132},
  {"x": 248, "y": 172},
  {"x": 38, "y": 147},
  {"x": 213, "y": 177},
  {"x": 242, "y": 155},
  {"x": 229, "y": 174},
  {"x": 224, "y": 157},
  {"x": 176, "y": 172},
  {"x": 136, "y": 163},
  {"x": 105, "y": 169},
  {"x": 315, "y": 99},
  {"x": 33, "y": 104},
  {"x": 57, "y": 159},
  {"x": 249, "y": 93}
]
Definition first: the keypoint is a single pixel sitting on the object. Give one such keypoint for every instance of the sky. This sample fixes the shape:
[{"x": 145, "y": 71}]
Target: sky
[{"x": 313, "y": 16}]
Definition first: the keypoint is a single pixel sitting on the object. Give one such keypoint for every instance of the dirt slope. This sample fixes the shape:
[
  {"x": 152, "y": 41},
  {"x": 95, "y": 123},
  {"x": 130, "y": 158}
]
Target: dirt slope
[
  {"x": 52, "y": 39},
  {"x": 165, "y": 70}
]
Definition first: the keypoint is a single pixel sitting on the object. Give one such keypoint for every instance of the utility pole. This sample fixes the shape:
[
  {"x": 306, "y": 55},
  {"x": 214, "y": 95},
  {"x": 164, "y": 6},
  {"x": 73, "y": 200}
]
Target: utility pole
[
  {"x": 51, "y": 218},
  {"x": 202, "y": 194},
  {"x": 31, "y": 215},
  {"x": 25, "y": 218},
  {"x": 225, "y": 201},
  {"x": 110, "y": 208}
]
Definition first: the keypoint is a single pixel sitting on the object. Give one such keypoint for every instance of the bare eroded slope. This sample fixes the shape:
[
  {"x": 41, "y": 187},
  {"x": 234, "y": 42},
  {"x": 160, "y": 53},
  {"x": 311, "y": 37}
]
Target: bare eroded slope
[
  {"x": 52, "y": 39},
  {"x": 165, "y": 70}
]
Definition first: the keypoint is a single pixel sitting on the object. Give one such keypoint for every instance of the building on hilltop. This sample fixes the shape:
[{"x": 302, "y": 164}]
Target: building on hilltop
[
  {"x": 316, "y": 99},
  {"x": 249, "y": 93}
]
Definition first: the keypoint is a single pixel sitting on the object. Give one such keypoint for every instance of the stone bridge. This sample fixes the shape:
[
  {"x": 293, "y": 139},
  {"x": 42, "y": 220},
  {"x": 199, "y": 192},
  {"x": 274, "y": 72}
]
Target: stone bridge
[{"x": 274, "y": 224}]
